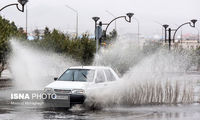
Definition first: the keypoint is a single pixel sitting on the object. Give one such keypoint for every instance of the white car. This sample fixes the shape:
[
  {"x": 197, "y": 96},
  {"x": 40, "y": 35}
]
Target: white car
[{"x": 77, "y": 81}]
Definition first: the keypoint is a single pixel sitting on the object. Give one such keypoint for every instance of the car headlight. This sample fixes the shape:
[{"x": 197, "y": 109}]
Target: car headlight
[
  {"x": 78, "y": 91},
  {"x": 48, "y": 90}
]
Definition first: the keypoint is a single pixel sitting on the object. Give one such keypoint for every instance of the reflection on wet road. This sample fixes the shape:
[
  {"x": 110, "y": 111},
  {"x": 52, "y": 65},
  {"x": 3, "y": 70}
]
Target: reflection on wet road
[
  {"x": 180, "y": 112},
  {"x": 146, "y": 112}
]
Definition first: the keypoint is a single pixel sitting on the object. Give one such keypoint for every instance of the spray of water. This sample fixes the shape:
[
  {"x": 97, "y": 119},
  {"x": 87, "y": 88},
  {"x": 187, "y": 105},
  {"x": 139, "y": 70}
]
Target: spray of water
[
  {"x": 157, "y": 78},
  {"x": 32, "y": 68},
  {"x": 120, "y": 55}
]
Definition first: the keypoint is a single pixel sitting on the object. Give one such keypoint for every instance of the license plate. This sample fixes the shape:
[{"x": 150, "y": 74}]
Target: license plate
[{"x": 62, "y": 97}]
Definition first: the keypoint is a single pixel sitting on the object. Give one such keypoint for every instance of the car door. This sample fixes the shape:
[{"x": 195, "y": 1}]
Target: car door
[
  {"x": 100, "y": 79},
  {"x": 110, "y": 77}
]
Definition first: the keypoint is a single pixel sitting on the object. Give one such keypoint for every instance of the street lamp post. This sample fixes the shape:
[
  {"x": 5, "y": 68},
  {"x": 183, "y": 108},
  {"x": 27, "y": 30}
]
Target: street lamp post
[
  {"x": 22, "y": 2},
  {"x": 107, "y": 25},
  {"x": 165, "y": 27},
  {"x": 191, "y": 23},
  {"x": 76, "y": 18},
  {"x": 97, "y": 41},
  {"x": 169, "y": 30},
  {"x": 138, "y": 24},
  {"x": 130, "y": 15}
]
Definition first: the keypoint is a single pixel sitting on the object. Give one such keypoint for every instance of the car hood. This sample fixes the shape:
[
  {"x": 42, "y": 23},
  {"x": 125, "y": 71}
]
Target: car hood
[{"x": 67, "y": 85}]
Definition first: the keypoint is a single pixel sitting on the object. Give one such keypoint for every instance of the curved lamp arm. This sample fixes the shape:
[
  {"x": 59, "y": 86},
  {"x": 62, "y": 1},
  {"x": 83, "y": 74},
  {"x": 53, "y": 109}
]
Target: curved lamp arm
[
  {"x": 114, "y": 20},
  {"x": 22, "y": 10},
  {"x": 191, "y": 23},
  {"x": 179, "y": 28},
  {"x": 125, "y": 17}
]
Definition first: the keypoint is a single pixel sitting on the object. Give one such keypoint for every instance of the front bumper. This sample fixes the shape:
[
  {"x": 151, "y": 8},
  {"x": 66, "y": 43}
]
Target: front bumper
[
  {"x": 66, "y": 99},
  {"x": 77, "y": 99}
]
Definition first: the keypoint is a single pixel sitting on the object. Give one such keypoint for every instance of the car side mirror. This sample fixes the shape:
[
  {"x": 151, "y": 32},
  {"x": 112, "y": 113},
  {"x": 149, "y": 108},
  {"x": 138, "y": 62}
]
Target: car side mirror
[{"x": 55, "y": 78}]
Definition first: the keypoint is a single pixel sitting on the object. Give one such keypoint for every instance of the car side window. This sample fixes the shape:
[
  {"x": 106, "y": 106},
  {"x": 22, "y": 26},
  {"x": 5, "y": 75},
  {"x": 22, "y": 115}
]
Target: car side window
[
  {"x": 100, "y": 76},
  {"x": 109, "y": 75}
]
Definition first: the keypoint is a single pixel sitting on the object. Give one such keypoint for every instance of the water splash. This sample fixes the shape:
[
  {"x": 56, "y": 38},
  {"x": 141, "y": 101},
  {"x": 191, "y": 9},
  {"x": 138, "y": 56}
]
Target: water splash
[
  {"x": 120, "y": 55},
  {"x": 157, "y": 78},
  {"x": 32, "y": 68}
]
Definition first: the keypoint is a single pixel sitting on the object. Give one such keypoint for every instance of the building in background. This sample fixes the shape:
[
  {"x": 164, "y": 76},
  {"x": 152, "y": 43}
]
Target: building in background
[{"x": 186, "y": 41}]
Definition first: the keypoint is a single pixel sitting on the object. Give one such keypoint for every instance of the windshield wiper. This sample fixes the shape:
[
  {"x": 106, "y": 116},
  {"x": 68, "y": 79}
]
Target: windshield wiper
[{"x": 84, "y": 75}]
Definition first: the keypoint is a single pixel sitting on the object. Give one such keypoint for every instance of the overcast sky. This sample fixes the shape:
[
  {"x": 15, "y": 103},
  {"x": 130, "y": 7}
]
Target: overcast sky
[{"x": 150, "y": 13}]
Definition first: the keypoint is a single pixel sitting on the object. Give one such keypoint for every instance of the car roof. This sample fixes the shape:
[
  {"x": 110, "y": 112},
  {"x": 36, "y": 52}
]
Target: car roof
[{"x": 89, "y": 67}]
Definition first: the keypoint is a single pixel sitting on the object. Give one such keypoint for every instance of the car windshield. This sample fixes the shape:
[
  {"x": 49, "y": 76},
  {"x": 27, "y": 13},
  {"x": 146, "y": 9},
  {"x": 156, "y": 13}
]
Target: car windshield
[{"x": 82, "y": 75}]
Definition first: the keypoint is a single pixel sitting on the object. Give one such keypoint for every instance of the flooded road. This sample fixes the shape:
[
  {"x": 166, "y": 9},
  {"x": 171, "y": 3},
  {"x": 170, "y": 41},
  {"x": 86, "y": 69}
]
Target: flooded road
[
  {"x": 145, "y": 112},
  {"x": 179, "y": 112},
  {"x": 148, "y": 112}
]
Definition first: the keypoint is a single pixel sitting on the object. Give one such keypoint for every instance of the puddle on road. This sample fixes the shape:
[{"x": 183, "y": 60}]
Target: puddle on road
[
  {"x": 145, "y": 112},
  {"x": 182, "y": 112}
]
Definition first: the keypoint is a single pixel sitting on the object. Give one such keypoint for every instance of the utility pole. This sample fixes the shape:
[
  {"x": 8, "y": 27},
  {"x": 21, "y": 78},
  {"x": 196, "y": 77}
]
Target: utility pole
[
  {"x": 138, "y": 23},
  {"x": 26, "y": 21},
  {"x": 76, "y": 18},
  {"x": 113, "y": 17}
]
